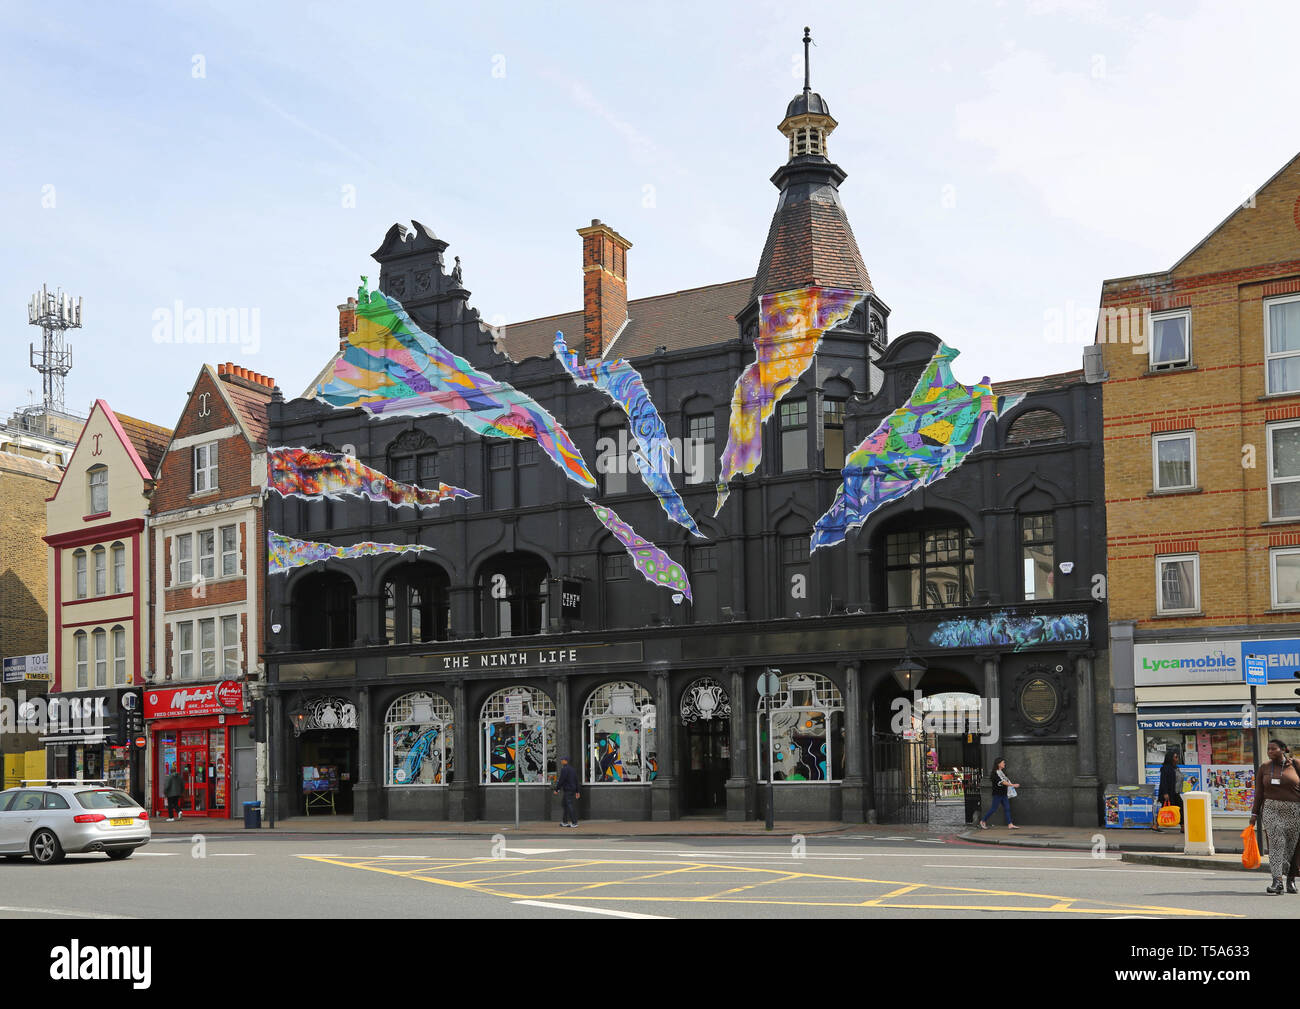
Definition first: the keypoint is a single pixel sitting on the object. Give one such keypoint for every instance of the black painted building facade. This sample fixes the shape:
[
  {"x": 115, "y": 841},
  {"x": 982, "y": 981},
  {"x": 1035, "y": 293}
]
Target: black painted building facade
[{"x": 399, "y": 671}]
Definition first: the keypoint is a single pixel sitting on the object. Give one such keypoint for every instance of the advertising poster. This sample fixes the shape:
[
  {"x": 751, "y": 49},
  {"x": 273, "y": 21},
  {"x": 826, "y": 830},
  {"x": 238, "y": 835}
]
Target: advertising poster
[{"x": 1231, "y": 788}]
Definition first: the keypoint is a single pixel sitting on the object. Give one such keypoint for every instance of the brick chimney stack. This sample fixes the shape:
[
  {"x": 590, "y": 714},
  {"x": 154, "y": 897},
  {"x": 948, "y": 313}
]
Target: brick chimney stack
[
  {"x": 347, "y": 322},
  {"x": 604, "y": 286}
]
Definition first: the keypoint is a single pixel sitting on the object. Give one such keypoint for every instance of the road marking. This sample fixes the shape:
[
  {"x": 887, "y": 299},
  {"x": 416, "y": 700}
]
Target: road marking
[
  {"x": 1066, "y": 868},
  {"x": 591, "y": 910},
  {"x": 60, "y": 911},
  {"x": 539, "y": 851},
  {"x": 153, "y": 854},
  {"x": 231, "y": 854}
]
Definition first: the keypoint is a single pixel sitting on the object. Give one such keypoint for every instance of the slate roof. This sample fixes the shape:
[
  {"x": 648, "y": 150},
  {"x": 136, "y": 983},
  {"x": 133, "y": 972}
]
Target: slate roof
[
  {"x": 150, "y": 440},
  {"x": 698, "y": 317},
  {"x": 810, "y": 244},
  {"x": 1039, "y": 383}
]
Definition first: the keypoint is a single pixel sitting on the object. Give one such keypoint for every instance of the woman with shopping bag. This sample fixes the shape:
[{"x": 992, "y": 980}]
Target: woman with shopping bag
[
  {"x": 1277, "y": 795},
  {"x": 1170, "y": 788},
  {"x": 1004, "y": 790}
]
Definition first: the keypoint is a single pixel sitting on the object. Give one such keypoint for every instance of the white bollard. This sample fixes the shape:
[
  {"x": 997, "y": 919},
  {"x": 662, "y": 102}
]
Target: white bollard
[{"x": 1198, "y": 821}]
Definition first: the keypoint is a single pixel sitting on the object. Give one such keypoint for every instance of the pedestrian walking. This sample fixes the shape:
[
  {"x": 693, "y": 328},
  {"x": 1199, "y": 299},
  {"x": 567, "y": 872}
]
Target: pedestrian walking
[
  {"x": 1004, "y": 790},
  {"x": 567, "y": 782},
  {"x": 172, "y": 789},
  {"x": 1170, "y": 787},
  {"x": 1277, "y": 794}
]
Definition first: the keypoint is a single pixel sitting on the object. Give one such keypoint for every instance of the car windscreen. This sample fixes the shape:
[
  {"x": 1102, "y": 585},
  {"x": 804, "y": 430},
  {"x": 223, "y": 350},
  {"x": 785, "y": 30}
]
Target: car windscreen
[{"x": 104, "y": 798}]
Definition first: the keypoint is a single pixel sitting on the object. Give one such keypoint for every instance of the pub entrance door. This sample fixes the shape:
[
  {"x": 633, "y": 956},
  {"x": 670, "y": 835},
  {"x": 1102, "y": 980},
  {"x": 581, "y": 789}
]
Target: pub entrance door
[{"x": 706, "y": 714}]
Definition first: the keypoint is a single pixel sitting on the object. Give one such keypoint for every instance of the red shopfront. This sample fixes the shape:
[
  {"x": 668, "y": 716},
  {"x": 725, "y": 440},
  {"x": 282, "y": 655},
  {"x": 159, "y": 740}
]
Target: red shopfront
[{"x": 191, "y": 727}]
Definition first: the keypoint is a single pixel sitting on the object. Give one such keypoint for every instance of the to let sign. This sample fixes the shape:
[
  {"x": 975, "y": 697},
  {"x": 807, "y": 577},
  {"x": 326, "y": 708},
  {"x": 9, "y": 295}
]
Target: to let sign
[{"x": 184, "y": 702}]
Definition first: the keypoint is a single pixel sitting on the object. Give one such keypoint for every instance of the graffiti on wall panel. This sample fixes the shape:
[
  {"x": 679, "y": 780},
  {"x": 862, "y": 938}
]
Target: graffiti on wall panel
[
  {"x": 623, "y": 384},
  {"x": 790, "y": 329},
  {"x": 308, "y": 473},
  {"x": 391, "y": 367},
  {"x": 653, "y": 563},
  {"x": 1008, "y": 628},
  {"x": 284, "y": 553},
  {"x": 922, "y": 441}
]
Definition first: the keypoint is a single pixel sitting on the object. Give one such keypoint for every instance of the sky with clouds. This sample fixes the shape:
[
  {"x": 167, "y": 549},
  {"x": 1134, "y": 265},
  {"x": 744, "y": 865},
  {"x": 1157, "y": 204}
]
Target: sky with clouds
[{"x": 1003, "y": 158}]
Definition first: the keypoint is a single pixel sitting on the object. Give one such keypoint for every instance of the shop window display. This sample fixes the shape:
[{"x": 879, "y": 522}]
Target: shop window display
[
  {"x": 419, "y": 741},
  {"x": 533, "y": 735},
  {"x": 618, "y": 727},
  {"x": 1217, "y": 761},
  {"x": 807, "y": 730}
]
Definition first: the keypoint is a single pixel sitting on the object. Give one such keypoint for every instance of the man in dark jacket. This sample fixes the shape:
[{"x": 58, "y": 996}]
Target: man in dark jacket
[
  {"x": 172, "y": 789},
  {"x": 567, "y": 782}
]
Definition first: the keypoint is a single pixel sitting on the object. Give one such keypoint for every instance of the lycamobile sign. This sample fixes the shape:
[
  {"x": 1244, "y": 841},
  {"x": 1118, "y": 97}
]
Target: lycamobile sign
[{"x": 1214, "y": 661}]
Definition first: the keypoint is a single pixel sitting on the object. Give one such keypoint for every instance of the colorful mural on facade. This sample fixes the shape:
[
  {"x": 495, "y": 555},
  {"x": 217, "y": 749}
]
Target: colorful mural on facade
[
  {"x": 420, "y": 757},
  {"x": 1007, "y": 628},
  {"x": 391, "y": 367},
  {"x": 790, "y": 329},
  {"x": 922, "y": 441},
  {"x": 284, "y": 553},
  {"x": 309, "y": 473},
  {"x": 653, "y": 563},
  {"x": 655, "y": 454}
]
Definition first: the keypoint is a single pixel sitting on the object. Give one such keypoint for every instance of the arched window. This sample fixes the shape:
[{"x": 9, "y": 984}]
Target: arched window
[
  {"x": 119, "y": 656},
  {"x": 325, "y": 612},
  {"x": 618, "y": 730},
  {"x": 79, "y": 563},
  {"x": 418, "y": 741},
  {"x": 532, "y": 735},
  {"x": 413, "y": 458},
  {"x": 807, "y": 742},
  {"x": 929, "y": 567},
  {"x": 97, "y": 481},
  {"x": 99, "y": 562},
  {"x": 119, "y": 568},
  {"x": 101, "y": 657},
  {"x": 80, "y": 643},
  {"x": 417, "y": 604},
  {"x": 1036, "y": 427}
]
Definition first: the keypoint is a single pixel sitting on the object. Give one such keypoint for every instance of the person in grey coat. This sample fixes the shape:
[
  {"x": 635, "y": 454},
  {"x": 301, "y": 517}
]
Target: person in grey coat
[{"x": 172, "y": 789}]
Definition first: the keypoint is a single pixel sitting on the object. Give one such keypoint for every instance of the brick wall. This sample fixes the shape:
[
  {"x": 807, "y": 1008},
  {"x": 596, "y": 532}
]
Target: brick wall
[{"x": 23, "y": 580}]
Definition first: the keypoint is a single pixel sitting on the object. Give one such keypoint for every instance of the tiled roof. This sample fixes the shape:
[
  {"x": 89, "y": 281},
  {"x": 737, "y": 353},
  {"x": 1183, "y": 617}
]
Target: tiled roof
[
  {"x": 10, "y": 462},
  {"x": 697, "y": 317},
  {"x": 150, "y": 440},
  {"x": 1040, "y": 383},
  {"x": 251, "y": 404},
  {"x": 810, "y": 244}
]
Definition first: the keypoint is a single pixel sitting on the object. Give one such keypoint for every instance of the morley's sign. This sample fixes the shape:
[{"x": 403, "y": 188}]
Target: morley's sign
[{"x": 183, "y": 702}]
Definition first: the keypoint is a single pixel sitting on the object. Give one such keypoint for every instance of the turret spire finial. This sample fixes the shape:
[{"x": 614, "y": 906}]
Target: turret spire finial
[{"x": 807, "y": 38}]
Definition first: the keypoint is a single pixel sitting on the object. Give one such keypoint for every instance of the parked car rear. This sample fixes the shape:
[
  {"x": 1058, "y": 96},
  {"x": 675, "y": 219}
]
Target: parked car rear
[{"x": 54, "y": 818}]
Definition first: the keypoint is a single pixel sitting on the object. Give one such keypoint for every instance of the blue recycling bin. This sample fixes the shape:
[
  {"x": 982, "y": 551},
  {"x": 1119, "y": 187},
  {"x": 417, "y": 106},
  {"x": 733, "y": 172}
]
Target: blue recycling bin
[{"x": 252, "y": 815}]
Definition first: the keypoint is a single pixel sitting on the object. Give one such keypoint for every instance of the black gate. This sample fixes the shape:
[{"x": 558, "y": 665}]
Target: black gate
[{"x": 901, "y": 779}]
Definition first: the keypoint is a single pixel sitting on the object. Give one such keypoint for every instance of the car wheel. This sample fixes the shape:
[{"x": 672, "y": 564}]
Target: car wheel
[
  {"x": 120, "y": 853},
  {"x": 46, "y": 848}
]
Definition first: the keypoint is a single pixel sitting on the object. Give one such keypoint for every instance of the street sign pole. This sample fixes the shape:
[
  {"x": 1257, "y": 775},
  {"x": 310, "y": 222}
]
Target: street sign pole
[
  {"x": 1256, "y": 673},
  {"x": 768, "y": 684},
  {"x": 517, "y": 773}
]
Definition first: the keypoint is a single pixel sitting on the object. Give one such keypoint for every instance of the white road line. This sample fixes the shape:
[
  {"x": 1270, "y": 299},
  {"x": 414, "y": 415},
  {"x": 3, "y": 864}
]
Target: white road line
[
  {"x": 231, "y": 854},
  {"x": 1066, "y": 868},
  {"x": 153, "y": 854},
  {"x": 61, "y": 912},
  {"x": 589, "y": 910}
]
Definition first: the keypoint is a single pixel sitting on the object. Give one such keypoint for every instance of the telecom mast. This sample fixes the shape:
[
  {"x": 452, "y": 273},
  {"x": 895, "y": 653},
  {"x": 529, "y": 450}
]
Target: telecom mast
[{"x": 55, "y": 313}]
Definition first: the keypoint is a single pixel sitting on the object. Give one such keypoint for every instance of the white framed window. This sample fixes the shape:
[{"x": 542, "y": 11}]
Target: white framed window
[
  {"x": 230, "y": 646},
  {"x": 79, "y": 563},
  {"x": 1282, "y": 344},
  {"x": 1178, "y": 583},
  {"x": 807, "y": 719},
  {"x": 101, "y": 657},
  {"x": 205, "y": 467},
  {"x": 1284, "y": 471},
  {"x": 1170, "y": 334},
  {"x": 184, "y": 559},
  {"x": 81, "y": 642},
  {"x": 185, "y": 650},
  {"x": 1173, "y": 461},
  {"x": 535, "y": 733},
  {"x": 119, "y": 568},
  {"x": 1285, "y": 571},
  {"x": 119, "y": 656},
  {"x": 698, "y": 457},
  {"x": 207, "y": 552},
  {"x": 419, "y": 737},
  {"x": 98, "y": 477},
  {"x": 99, "y": 561},
  {"x": 230, "y": 550},
  {"x": 618, "y": 727},
  {"x": 208, "y": 648}
]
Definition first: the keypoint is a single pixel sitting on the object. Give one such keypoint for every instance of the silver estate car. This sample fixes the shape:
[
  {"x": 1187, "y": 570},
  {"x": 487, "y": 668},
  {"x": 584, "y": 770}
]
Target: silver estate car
[{"x": 49, "y": 818}]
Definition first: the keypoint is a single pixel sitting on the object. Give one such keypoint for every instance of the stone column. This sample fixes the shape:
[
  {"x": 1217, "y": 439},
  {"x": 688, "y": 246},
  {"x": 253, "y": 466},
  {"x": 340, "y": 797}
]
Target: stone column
[
  {"x": 365, "y": 791},
  {"x": 853, "y": 792},
  {"x": 1086, "y": 783},
  {"x": 665, "y": 803},
  {"x": 462, "y": 804},
  {"x": 461, "y": 600},
  {"x": 740, "y": 781}
]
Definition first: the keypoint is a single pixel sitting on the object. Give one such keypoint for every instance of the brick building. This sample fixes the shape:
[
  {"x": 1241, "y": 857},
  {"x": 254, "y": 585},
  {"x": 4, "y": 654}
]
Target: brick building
[
  {"x": 98, "y": 578},
  {"x": 1202, "y": 434},
  {"x": 397, "y": 672},
  {"x": 208, "y": 537}
]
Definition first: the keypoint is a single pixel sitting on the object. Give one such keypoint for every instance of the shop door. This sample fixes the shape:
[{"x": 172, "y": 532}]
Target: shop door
[
  {"x": 331, "y": 748},
  {"x": 708, "y": 762},
  {"x": 193, "y": 757}
]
